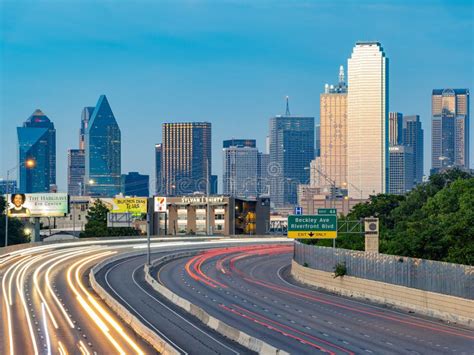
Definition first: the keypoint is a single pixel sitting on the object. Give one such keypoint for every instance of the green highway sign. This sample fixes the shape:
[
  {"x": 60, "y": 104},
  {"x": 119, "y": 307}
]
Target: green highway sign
[
  {"x": 327, "y": 211},
  {"x": 312, "y": 227}
]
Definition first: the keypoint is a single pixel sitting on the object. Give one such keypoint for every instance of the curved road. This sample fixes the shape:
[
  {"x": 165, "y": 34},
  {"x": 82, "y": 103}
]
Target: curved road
[
  {"x": 48, "y": 306},
  {"x": 249, "y": 288}
]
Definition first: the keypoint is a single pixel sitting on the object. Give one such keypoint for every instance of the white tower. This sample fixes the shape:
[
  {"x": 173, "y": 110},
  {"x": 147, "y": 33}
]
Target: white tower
[{"x": 367, "y": 120}]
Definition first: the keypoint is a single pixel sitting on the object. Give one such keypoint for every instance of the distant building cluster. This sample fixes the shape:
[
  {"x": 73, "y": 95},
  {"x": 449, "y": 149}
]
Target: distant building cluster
[{"x": 359, "y": 148}]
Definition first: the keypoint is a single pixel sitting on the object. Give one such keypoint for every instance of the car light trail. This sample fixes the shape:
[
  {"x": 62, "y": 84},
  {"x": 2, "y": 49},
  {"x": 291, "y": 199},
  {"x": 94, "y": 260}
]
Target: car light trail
[
  {"x": 93, "y": 315},
  {"x": 62, "y": 258},
  {"x": 7, "y": 307},
  {"x": 103, "y": 312},
  {"x": 45, "y": 325}
]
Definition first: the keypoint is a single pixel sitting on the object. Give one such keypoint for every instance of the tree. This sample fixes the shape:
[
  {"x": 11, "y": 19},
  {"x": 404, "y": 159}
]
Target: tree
[
  {"x": 96, "y": 225},
  {"x": 16, "y": 234},
  {"x": 433, "y": 221}
]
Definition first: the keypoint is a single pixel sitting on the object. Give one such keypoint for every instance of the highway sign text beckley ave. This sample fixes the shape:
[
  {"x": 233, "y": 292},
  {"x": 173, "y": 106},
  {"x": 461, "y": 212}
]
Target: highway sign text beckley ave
[{"x": 315, "y": 227}]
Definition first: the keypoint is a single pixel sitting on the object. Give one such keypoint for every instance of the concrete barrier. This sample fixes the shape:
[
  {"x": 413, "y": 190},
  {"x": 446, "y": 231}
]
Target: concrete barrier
[
  {"x": 448, "y": 308},
  {"x": 160, "y": 345},
  {"x": 250, "y": 342}
]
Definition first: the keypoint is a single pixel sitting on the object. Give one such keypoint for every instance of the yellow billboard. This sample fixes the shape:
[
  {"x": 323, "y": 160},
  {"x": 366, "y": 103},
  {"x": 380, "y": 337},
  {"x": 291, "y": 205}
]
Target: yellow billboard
[{"x": 133, "y": 205}]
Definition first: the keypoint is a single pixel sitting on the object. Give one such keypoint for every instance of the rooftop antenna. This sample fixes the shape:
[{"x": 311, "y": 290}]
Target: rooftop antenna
[
  {"x": 287, "y": 113},
  {"x": 341, "y": 74}
]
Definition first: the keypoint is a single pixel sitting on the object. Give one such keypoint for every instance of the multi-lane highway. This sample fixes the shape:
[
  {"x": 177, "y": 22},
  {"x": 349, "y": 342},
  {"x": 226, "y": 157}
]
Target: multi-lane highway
[
  {"x": 249, "y": 288},
  {"x": 49, "y": 307}
]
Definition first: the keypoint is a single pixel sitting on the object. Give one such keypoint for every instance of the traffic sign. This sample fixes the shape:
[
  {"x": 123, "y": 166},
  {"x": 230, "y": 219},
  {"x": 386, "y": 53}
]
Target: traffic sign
[
  {"x": 312, "y": 227},
  {"x": 299, "y": 210},
  {"x": 327, "y": 211}
]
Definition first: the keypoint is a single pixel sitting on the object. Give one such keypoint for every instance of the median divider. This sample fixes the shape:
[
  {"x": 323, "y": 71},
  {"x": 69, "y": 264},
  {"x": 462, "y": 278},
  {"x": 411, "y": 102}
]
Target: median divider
[
  {"x": 160, "y": 345},
  {"x": 250, "y": 342}
]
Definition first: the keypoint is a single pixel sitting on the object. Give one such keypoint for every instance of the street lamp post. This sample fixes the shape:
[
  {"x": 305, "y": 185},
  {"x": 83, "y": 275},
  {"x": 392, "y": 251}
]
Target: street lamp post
[{"x": 29, "y": 164}]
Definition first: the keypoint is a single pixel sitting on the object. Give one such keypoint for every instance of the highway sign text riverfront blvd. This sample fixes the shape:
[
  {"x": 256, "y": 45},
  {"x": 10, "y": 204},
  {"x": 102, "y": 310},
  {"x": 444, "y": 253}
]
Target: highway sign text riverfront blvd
[{"x": 314, "y": 227}]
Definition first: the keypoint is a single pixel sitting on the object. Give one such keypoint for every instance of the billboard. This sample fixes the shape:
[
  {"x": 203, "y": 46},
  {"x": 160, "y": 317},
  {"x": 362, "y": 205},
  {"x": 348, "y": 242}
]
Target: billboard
[
  {"x": 37, "y": 205},
  {"x": 160, "y": 204},
  {"x": 134, "y": 205}
]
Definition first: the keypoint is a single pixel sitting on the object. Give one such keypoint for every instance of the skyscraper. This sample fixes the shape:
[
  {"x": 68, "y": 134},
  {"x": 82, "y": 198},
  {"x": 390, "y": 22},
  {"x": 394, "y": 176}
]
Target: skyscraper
[
  {"x": 75, "y": 171},
  {"x": 450, "y": 129},
  {"x": 252, "y": 143},
  {"x": 135, "y": 184},
  {"x": 291, "y": 151},
  {"x": 103, "y": 152},
  {"x": 395, "y": 128},
  {"x": 401, "y": 179},
  {"x": 263, "y": 184},
  {"x": 413, "y": 137},
  {"x": 159, "y": 180},
  {"x": 85, "y": 118},
  {"x": 37, "y": 142},
  {"x": 240, "y": 169},
  {"x": 367, "y": 120},
  {"x": 186, "y": 162},
  {"x": 332, "y": 161}
]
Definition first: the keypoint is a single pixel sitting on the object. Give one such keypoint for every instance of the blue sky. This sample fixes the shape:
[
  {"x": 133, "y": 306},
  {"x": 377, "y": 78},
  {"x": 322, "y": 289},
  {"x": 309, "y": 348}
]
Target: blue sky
[{"x": 227, "y": 62}]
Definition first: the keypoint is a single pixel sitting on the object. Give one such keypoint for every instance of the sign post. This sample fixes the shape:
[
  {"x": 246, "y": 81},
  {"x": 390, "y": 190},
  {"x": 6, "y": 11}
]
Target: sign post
[{"x": 312, "y": 227}]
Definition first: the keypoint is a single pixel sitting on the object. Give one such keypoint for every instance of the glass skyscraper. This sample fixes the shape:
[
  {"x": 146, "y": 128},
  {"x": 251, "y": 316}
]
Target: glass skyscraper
[
  {"x": 413, "y": 137},
  {"x": 135, "y": 184},
  {"x": 103, "y": 152},
  {"x": 37, "y": 142},
  {"x": 75, "y": 171},
  {"x": 291, "y": 152},
  {"x": 240, "y": 165},
  {"x": 186, "y": 162},
  {"x": 367, "y": 120},
  {"x": 450, "y": 129}
]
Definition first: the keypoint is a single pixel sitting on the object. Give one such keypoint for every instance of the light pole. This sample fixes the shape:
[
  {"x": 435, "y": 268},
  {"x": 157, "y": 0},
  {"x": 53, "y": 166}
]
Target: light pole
[{"x": 29, "y": 164}]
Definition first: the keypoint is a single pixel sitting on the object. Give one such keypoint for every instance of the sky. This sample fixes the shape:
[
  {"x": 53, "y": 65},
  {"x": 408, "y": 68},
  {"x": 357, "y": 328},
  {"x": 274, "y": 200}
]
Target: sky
[{"x": 230, "y": 63}]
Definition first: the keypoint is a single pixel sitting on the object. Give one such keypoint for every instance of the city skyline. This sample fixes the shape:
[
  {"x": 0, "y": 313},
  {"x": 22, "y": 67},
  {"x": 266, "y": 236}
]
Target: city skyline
[{"x": 300, "y": 73}]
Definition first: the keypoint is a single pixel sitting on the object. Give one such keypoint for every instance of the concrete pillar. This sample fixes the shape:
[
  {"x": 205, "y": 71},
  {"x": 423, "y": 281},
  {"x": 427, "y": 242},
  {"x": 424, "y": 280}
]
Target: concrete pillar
[{"x": 371, "y": 228}]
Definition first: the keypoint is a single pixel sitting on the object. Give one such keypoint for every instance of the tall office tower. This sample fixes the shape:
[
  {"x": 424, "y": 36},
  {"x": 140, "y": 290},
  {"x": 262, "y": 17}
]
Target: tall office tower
[
  {"x": 401, "y": 179},
  {"x": 263, "y": 175},
  {"x": 317, "y": 140},
  {"x": 413, "y": 137},
  {"x": 102, "y": 152},
  {"x": 37, "y": 142},
  {"x": 214, "y": 185},
  {"x": 332, "y": 162},
  {"x": 186, "y": 162},
  {"x": 395, "y": 128},
  {"x": 450, "y": 129},
  {"x": 85, "y": 118},
  {"x": 158, "y": 179},
  {"x": 251, "y": 143},
  {"x": 240, "y": 165},
  {"x": 367, "y": 120},
  {"x": 8, "y": 187},
  {"x": 135, "y": 184},
  {"x": 291, "y": 152},
  {"x": 75, "y": 171}
]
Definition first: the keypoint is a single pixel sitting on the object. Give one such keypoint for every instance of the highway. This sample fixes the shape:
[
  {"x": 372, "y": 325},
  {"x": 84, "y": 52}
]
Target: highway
[
  {"x": 48, "y": 306},
  {"x": 250, "y": 289}
]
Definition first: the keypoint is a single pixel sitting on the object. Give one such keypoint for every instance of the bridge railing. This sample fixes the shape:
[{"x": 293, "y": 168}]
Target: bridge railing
[{"x": 428, "y": 275}]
